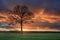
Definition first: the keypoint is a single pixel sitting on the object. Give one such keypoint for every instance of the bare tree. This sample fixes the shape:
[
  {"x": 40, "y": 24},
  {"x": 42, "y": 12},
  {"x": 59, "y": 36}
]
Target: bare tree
[{"x": 24, "y": 14}]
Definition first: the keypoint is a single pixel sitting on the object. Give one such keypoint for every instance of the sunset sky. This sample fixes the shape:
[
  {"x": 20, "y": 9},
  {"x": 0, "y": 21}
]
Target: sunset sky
[{"x": 46, "y": 15}]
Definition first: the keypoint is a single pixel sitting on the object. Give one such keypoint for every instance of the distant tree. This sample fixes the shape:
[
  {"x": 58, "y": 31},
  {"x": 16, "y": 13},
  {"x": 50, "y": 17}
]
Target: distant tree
[{"x": 24, "y": 14}]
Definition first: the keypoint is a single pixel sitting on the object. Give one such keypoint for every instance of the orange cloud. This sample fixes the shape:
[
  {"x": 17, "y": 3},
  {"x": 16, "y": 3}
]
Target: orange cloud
[{"x": 41, "y": 16}]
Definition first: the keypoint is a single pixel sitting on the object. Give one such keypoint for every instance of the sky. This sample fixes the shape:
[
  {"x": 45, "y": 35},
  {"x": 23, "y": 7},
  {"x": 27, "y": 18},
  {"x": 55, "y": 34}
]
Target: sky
[{"x": 46, "y": 13}]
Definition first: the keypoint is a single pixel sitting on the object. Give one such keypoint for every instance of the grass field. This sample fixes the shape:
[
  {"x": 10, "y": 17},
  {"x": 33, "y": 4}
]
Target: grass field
[{"x": 31, "y": 36}]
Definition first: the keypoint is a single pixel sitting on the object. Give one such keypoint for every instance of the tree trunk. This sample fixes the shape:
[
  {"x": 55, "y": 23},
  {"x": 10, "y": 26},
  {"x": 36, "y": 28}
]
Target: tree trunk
[{"x": 21, "y": 25}]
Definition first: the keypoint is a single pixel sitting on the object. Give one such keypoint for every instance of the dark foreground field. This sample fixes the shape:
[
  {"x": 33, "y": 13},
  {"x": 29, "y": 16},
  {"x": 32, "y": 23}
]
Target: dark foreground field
[{"x": 30, "y": 36}]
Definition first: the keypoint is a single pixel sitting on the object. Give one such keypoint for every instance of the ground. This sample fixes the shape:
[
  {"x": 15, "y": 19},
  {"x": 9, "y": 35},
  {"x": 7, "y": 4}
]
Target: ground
[{"x": 31, "y": 36}]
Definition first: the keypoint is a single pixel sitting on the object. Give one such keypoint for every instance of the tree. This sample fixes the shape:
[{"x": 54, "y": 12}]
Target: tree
[{"x": 23, "y": 13}]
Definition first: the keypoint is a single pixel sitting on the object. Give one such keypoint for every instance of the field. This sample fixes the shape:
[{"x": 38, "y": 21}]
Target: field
[{"x": 30, "y": 36}]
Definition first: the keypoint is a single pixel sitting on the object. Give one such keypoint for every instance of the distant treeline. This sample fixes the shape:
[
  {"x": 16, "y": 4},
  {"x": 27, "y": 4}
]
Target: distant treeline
[{"x": 29, "y": 32}]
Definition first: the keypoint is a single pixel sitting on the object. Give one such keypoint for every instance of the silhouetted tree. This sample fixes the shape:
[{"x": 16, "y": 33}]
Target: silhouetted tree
[{"x": 23, "y": 13}]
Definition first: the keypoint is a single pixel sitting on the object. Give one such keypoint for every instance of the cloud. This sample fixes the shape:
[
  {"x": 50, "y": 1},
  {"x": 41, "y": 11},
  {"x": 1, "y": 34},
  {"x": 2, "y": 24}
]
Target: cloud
[
  {"x": 47, "y": 13},
  {"x": 43, "y": 20},
  {"x": 34, "y": 5}
]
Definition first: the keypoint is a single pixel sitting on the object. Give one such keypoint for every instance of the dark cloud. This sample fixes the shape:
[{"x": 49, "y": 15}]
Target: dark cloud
[
  {"x": 52, "y": 11},
  {"x": 46, "y": 24},
  {"x": 5, "y": 25},
  {"x": 53, "y": 3},
  {"x": 33, "y": 4},
  {"x": 51, "y": 25}
]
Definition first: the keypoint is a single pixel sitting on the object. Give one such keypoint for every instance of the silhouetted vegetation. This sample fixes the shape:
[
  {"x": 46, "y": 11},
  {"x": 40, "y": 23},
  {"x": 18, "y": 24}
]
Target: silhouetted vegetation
[{"x": 24, "y": 14}]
